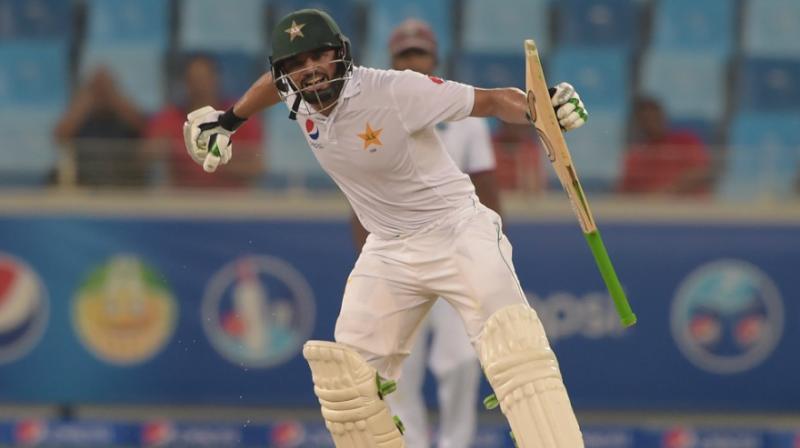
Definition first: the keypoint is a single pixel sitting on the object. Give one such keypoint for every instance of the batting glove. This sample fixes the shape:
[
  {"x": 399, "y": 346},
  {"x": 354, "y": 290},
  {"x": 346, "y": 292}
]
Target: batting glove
[
  {"x": 207, "y": 136},
  {"x": 570, "y": 111}
]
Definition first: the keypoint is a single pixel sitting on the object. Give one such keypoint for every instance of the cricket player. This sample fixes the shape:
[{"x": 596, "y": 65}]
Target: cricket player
[
  {"x": 451, "y": 357},
  {"x": 373, "y": 131}
]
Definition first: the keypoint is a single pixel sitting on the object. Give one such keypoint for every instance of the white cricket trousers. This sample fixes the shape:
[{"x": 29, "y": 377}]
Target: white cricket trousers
[
  {"x": 458, "y": 377},
  {"x": 464, "y": 258}
]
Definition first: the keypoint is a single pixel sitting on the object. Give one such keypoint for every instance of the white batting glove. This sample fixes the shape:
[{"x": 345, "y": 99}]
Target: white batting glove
[
  {"x": 207, "y": 142},
  {"x": 570, "y": 111}
]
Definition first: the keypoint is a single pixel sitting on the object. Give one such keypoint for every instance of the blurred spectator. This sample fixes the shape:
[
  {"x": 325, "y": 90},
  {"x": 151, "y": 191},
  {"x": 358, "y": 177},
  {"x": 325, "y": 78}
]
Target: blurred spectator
[
  {"x": 519, "y": 165},
  {"x": 165, "y": 134},
  {"x": 100, "y": 129},
  {"x": 661, "y": 160}
]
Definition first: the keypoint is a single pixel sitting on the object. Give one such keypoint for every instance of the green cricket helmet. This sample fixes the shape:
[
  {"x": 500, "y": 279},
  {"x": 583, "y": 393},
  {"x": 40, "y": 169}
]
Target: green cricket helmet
[{"x": 308, "y": 30}]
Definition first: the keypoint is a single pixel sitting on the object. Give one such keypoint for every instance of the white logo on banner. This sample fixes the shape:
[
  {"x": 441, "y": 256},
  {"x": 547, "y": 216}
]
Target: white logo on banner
[
  {"x": 565, "y": 315},
  {"x": 727, "y": 316},
  {"x": 258, "y": 311}
]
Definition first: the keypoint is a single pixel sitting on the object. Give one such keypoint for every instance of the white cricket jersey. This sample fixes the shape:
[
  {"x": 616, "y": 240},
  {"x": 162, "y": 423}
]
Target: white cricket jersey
[
  {"x": 380, "y": 147},
  {"x": 469, "y": 143}
]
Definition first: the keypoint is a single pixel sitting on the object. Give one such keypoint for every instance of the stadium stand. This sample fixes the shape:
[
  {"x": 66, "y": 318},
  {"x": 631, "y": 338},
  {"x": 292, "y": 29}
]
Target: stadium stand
[
  {"x": 598, "y": 23},
  {"x": 384, "y": 15},
  {"x": 488, "y": 31},
  {"x": 209, "y": 25},
  {"x": 601, "y": 75},
  {"x": 33, "y": 90},
  {"x": 688, "y": 84},
  {"x": 764, "y": 152},
  {"x": 707, "y": 26},
  {"x": 491, "y": 69},
  {"x": 771, "y": 28},
  {"x": 39, "y": 19},
  {"x": 769, "y": 84}
]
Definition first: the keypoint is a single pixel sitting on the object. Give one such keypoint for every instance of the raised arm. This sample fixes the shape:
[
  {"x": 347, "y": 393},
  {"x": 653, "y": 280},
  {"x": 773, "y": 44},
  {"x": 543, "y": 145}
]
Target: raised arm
[
  {"x": 207, "y": 132},
  {"x": 261, "y": 95}
]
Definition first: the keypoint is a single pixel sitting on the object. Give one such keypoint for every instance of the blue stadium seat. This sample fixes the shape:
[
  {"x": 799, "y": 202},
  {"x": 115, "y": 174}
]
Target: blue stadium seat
[
  {"x": 492, "y": 69},
  {"x": 28, "y": 155},
  {"x": 139, "y": 70},
  {"x": 601, "y": 75},
  {"x": 691, "y": 25},
  {"x": 771, "y": 28},
  {"x": 7, "y": 20},
  {"x": 385, "y": 15},
  {"x": 130, "y": 38},
  {"x": 597, "y": 150},
  {"x": 769, "y": 84},
  {"x": 220, "y": 26},
  {"x": 238, "y": 71},
  {"x": 598, "y": 22},
  {"x": 33, "y": 73},
  {"x": 33, "y": 94},
  {"x": 489, "y": 28},
  {"x": 36, "y": 19},
  {"x": 290, "y": 160},
  {"x": 141, "y": 22},
  {"x": 343, "y": 11},
  {"x": 688, "y": 84},
  {"x": 764, "y": 157}
]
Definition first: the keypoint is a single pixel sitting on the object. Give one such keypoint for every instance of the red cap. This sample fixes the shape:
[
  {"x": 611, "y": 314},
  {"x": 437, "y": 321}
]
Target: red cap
[{"x": 412, "y": 34}]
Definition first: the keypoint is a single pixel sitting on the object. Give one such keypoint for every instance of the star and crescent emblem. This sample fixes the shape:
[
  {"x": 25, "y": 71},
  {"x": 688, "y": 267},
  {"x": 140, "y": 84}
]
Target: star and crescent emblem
[
  {"x": 371, "y": 137},
  {"x": 295, "y": 31}
]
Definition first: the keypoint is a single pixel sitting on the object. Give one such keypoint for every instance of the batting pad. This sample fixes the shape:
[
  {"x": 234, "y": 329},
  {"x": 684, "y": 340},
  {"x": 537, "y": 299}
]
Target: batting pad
[
  {"x": 524, "y": 374},
  {"x": 347, "y": 389}
]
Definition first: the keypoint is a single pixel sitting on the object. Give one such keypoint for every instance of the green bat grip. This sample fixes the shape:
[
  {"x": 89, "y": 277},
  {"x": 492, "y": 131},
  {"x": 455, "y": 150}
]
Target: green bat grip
[{"x": 626, "y": 316}]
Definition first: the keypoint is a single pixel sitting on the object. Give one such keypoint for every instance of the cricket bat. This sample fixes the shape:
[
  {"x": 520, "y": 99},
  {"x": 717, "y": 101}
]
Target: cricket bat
[{"x": 546, "y": 123}]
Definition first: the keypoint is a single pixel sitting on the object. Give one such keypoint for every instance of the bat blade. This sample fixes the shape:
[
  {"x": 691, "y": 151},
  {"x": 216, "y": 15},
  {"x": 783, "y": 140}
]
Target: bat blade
[{"x": 546, "y": 123}]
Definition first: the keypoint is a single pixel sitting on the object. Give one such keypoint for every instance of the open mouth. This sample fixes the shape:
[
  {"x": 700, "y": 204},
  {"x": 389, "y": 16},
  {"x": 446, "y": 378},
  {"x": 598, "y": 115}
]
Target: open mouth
[{"x": 315, "y": 82}]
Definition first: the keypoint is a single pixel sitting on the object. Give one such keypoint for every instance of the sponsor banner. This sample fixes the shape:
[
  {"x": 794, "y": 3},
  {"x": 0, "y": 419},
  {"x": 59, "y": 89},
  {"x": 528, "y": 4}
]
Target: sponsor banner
[
  {"x": 303, "y": 434},
  {"x": 609, "y": 437},
  {"x": 784, "y": 439},
  {"x": 158, "y": 311},
  {"x": 124, "y": 311},
  {"x": 687, "y": 437},
  {"x": 84, "y": 434},
  {"x": 258, "y": 311},
  {"x": 24, "y": 308},
  {"x": 499, "y": 435}
]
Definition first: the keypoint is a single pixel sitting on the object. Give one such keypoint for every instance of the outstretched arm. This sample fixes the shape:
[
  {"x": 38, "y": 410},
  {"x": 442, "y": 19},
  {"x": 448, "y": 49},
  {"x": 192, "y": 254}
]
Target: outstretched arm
[
  {"x": 508, "y": 104},
  {"x": 511, "y": 105}
]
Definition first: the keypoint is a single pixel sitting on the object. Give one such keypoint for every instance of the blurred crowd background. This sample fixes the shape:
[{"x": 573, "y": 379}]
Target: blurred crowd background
[
  {"x": 124, "y": 267},
  {"x": 92, "y": 93}
]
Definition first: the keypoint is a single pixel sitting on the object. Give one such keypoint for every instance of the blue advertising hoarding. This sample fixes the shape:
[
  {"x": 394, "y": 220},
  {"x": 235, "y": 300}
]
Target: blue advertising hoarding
[
  {"x": 174, "y": 310},
  {"x": 298, "y": 433}
]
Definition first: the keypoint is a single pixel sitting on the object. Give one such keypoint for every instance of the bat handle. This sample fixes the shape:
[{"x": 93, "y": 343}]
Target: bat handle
[{"x": 626, "y": 316}]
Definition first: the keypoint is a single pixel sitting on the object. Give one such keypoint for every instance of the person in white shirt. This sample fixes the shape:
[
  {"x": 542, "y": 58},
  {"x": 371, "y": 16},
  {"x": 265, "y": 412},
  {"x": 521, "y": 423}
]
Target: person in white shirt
[
  {"x": 451, "y": 358},
  {"x": 373, "y": 132}
]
